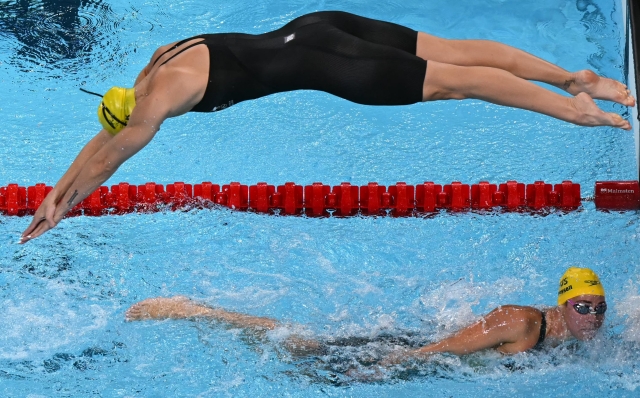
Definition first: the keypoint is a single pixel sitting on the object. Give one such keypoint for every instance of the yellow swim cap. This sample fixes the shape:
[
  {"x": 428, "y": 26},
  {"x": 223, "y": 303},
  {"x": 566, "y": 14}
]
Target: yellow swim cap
[
  {"x": 116, "y": 107},
  {"x": 578, "y": 281}
]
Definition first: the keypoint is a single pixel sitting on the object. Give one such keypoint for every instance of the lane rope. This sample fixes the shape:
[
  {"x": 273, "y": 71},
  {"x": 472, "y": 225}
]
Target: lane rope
[{"x": 320, "y": 200}]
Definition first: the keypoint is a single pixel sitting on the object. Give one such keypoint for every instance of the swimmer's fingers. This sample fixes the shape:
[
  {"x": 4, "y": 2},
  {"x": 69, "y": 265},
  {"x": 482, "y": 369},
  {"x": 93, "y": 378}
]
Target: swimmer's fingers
[
  {"x": 34, "y": 223},
  {"x": 38, "y": 218},
  {"x": 41, "y": 227},
  {"x": 27, "y": 235},
  {"x": 43, "y": 220}
]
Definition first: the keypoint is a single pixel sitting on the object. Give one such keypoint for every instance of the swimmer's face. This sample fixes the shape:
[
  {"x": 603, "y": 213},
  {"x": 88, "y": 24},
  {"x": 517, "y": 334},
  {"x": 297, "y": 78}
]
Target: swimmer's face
[{"x": 583, "y": 327}]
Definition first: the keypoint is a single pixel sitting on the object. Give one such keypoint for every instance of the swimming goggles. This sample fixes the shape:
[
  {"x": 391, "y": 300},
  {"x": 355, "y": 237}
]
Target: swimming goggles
[{"x": 584, "y": 309}]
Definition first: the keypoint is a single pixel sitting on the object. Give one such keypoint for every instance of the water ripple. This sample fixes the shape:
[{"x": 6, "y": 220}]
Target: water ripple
[{"x": 51, "y": 36}]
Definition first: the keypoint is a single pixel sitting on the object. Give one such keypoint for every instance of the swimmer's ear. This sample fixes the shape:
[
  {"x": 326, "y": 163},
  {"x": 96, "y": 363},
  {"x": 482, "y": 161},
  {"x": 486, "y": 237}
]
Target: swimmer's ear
[{"x": 91, "y": 92}]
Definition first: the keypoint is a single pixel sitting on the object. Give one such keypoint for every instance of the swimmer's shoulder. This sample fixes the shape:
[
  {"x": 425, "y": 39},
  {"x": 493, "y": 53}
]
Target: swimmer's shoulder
[
  {"x": 526, "y": 316},
  {"x": 523, "y": 327}
]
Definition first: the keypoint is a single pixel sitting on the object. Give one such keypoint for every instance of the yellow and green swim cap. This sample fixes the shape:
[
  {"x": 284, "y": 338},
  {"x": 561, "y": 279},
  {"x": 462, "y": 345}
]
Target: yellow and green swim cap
[
  {"x": 116, "y": 107},
  {"x": 578, "y": 281}
]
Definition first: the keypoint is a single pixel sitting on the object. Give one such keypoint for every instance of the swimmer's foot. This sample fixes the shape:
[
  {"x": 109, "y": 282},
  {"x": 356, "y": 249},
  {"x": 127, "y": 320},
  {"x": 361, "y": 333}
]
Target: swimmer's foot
[
  {"x": 178, "y": 307},
  {"x": 590, "y": 115},
  {"x": 598, "y": 87}
]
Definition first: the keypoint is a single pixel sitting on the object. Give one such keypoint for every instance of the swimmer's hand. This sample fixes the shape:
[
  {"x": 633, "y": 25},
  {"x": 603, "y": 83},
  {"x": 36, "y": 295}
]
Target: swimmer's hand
[
  {"x": 368, "y": 375},
  {"x": 383, "y": 368},
  {"x": 44, "y": 219},
  {"x": 404, "y": 355},
  {"x": 396, "y": 357}
]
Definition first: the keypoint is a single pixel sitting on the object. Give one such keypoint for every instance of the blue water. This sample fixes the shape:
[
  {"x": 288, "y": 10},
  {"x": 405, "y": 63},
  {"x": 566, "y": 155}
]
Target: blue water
[{"x": 64, "y": 295}]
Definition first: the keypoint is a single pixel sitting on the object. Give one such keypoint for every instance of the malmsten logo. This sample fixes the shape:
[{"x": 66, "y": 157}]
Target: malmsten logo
[{"x": 617, "y": 191}]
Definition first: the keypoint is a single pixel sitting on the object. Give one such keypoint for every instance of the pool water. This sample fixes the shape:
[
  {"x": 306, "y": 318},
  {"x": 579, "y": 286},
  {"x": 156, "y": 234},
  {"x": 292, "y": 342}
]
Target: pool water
[{"x": 416, "y": 279}]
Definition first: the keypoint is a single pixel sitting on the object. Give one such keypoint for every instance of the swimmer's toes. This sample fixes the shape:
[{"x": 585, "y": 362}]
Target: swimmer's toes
[
  {"x": 612, "y": 93},
  {"x": 623, "y": 97},
  {"x": 620, "y": 122},
  {"x": 602, "y": 88},
  {"x": 626, "y": 125},
  {"x": 630, "y": 101}
]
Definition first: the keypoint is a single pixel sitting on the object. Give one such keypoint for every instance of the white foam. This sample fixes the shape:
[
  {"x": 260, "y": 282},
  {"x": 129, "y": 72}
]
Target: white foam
[
  {"x": 453, "y": 303},
  {"x": 629, "y": 309},
  {"x": 28, "y": 329},
  {"x": 34, "y": 326}
]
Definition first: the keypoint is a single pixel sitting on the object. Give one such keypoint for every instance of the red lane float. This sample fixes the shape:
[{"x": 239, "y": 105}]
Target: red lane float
[
  {"x": 13, "y": 200},
  {"x": 234, "y": 195},
  {"x": 402, "y": 199},
  {"x": 316, "y": 199},
  {"x": 427, "y": 197},
  {"x": 320, "y": 200},
  {"x": 344, "y": 199},
  {"x": 483, "y": 196},
  {"x": 260, "y": 197}
]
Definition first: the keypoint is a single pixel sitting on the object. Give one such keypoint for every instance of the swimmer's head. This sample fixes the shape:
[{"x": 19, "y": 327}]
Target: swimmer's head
[
  {"x": 578, "y": 281},
  {"x": 115, "y": 109},
  {"x": 582, "y": 296}
]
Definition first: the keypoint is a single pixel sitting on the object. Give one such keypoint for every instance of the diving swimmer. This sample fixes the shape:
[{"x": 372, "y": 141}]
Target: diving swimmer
[
  {"x": 362, "y": 60},
  {"x": 509, "y": 329}
]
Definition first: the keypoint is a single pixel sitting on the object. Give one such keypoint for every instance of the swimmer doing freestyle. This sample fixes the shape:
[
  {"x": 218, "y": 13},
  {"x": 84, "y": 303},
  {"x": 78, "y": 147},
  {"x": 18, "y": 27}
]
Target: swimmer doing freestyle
[
  {"x": 359, "y": 59},
  {"x": 509, "y": 329}
]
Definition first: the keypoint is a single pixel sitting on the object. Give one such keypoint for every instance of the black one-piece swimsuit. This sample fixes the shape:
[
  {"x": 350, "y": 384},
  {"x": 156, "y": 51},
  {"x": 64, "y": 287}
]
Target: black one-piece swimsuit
[{"x": 359, "y": 59}]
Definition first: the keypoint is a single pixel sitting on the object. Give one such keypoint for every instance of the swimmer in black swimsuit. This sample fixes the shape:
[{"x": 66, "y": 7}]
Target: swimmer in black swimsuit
[
  {"x": 362, "y": 60},
  {"x": 509, "y": 329}
]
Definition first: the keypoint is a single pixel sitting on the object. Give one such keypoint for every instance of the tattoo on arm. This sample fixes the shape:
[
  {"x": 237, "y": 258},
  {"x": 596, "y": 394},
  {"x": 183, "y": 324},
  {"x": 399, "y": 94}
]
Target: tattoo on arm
[
  {"x": 568, "y": 83},
  {"x": 72, "y": 198}
]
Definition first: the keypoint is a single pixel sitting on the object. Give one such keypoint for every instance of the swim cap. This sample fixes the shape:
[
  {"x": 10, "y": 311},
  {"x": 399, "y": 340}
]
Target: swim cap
[
  {"x": 578, "y": 281},
  {"x": 116, "y": 107}
]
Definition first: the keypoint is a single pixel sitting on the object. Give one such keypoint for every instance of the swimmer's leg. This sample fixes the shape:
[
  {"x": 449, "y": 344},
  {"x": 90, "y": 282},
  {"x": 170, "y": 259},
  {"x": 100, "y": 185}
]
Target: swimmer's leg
[
  {"x": 180, "y": 307},
  {"x": 522, "y": 64},
  {"x": 444, "y": 81}
]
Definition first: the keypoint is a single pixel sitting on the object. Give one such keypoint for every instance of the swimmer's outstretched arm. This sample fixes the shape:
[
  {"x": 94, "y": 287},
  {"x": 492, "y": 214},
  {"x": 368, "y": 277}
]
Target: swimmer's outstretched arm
[
  {"x": 507, "y": 328},
  {"x": 47, "y": 208},
  {"x": 180, "y": 307},
  {"x": 101, "y": 157}
]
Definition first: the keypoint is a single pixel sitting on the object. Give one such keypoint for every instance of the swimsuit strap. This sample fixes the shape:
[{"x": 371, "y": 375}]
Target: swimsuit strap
[
  {"x": 178, "y": 44},
  {"x": 543, "y": 329}
]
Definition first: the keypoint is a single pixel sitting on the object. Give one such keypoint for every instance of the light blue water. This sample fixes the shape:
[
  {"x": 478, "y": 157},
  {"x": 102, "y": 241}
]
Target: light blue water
[{"x": 64, "y": 295}]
